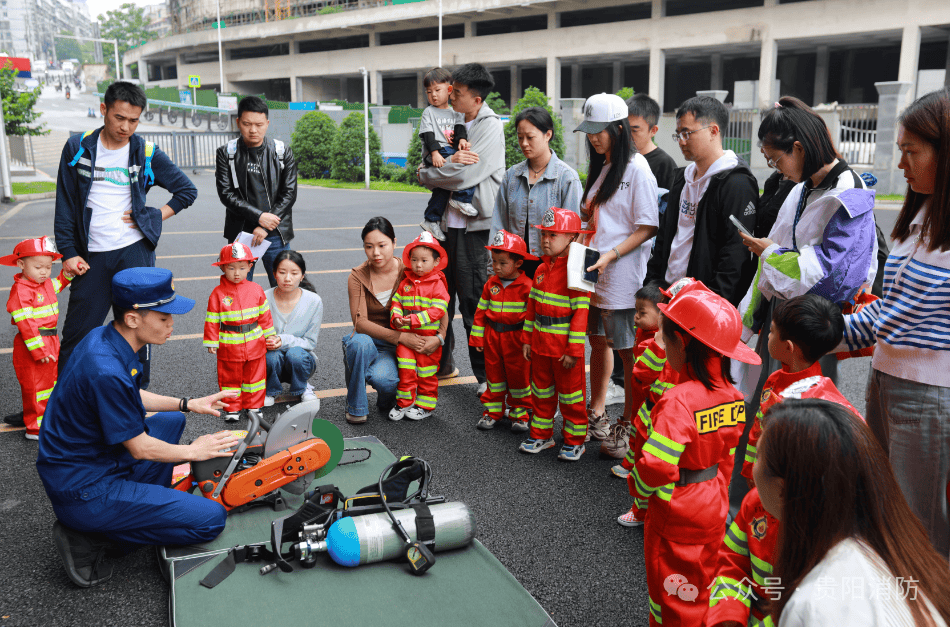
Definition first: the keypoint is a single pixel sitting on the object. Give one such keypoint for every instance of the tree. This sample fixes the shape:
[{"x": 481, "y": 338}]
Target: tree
[
  {"x": 18, "y": 110},
  {"x": 626, "y": 92},
  {"x": 496, "y": 104},
  {"x": 533, "y": 97},
  {"x": 75, "y": 49},
  {"x": 312, "y": 142},
  {"x": 346, "y": 158},
  {"x": 413, "y": 159},
  {"x": 128, "y": 25}
]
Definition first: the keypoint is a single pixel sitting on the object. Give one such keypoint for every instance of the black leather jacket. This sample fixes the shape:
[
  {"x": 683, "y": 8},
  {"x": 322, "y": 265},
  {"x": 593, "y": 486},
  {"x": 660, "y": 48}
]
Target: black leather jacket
[{"x": 281, "y": 189}]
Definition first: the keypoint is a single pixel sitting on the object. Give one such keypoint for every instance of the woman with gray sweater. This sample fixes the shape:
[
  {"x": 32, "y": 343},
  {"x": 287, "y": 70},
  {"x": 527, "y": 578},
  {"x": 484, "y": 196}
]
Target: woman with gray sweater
[{"x": 298, "y": 313}]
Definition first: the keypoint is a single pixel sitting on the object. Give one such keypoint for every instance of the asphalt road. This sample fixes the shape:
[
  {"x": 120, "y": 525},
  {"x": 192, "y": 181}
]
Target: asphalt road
[{"x": 551, "y": 524}]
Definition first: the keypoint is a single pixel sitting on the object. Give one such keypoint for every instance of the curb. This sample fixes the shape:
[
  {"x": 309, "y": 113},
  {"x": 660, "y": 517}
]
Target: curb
[{"x": 39, "y": 196}]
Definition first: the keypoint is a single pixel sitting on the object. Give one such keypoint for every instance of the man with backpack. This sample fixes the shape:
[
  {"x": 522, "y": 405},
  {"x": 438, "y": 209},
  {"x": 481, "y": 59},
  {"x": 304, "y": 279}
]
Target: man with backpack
[
  {"x": 257, "y": 184},
  {"x": 102, "y": 225}
]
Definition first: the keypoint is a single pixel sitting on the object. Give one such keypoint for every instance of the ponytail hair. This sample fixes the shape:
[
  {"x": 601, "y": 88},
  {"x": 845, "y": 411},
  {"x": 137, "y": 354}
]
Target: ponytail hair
[{"x": 296, "y": 258}]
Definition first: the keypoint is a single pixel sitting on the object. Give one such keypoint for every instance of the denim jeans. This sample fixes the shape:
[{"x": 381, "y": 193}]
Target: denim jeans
[
  {"x": 912, "y": 422},
  {"x": 292, "y": 365},
  {"x": 439, "y": 199},
  {"x": 369, "y": 361},
  {"x": 276, "y": 247}
]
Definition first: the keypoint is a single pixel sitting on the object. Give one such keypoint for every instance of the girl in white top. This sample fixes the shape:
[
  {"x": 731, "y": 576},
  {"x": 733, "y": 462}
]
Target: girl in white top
[
  {"x": 850, "y": 551},
  {"x": 908, "y": 396},
  {"x": 620, "y": 206}
]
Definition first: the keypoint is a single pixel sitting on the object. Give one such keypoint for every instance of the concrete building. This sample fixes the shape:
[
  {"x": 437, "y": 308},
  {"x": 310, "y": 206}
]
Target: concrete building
[
  {"x": 27, "y": 27},
  {"x": 159, "y": 19},
  {"x": 819, "y": 50}
]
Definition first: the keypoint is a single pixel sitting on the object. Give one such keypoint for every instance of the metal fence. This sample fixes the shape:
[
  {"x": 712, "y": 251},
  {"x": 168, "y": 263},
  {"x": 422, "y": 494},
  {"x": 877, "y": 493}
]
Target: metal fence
[
  {"x": 188, "y": 150},
  {"x": 857, "y": 133},
  {"x": 21, "y": 152},
  {"x": 738, "y": 136}
]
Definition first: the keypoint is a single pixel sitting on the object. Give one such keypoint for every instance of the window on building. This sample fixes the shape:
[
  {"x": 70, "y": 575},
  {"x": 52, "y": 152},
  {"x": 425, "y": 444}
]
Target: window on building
[
  {"x": 256, "y": 52},
  {"x": 606, "y": 15},
  {"x": 336, "y": 43},
  {"x": 207, "y": 56},
  {"x": 511, "y": 25},
  {"x": 449, "y": 31},
  {"x": 686, "y": 7}
]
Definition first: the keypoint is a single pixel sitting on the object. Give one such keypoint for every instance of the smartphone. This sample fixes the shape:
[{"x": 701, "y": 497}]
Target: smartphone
[
  {"x": 740, "y": 226},
  {"x": 591, "y": 257}
]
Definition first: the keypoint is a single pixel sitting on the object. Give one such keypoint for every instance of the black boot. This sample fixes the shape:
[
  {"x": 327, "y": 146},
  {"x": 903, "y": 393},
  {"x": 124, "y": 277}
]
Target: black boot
[{"x": 82, "y": 556}]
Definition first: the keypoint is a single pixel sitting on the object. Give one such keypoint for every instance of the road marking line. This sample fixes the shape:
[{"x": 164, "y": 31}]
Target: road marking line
[
  {"x": 15, "y": 210},
  {"x": 198, "y": 336},
  {"x": 218, "y": 232}
]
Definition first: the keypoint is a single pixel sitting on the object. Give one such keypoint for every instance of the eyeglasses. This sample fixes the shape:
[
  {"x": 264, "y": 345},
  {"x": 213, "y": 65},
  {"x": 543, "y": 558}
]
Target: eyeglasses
[
  {"x": 684, "y": 136},
  {"x": 773, "y": 164}
]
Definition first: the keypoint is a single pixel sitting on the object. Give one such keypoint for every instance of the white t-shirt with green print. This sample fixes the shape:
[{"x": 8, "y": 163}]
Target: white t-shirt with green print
[{"x": 109, "y": 198}]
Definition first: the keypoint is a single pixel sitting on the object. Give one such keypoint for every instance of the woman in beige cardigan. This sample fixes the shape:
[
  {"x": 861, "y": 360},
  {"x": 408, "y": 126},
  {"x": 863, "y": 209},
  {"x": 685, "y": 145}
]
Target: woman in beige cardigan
[{"x": 369, "y": 352}]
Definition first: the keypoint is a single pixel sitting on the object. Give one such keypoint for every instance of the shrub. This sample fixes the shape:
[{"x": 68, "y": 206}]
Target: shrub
[
  {"x": 533, "y": 97},
  {"x": 312, "y": 142},
  {"x": 496, "y": 104},
  {"x": 413, "y": 158},
  {"x": 626, "y": 92},
  {"x": 346, "y": 157}
]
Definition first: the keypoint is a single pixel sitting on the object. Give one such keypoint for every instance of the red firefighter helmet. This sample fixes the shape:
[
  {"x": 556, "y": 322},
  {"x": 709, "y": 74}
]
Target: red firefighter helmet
[
  {"x": 426, "y": 239},
  {"x": 510, "y": 243},
  {"x": 33, "y": 247},
  {"x": 711, "y": 319},
  {"x": 557, "y": 220},
  {"x": 234, "y": 252}
]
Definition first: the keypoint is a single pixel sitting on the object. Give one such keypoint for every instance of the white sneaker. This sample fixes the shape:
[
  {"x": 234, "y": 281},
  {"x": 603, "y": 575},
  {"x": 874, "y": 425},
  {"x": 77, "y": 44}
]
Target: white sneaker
[
  {"x": 232, "y": 416},
  {"x": 465, "y": 208},
  {"x": 268, "y": 401},
  {"x": 434, "y": 228},
  {"x": 397, "y": 413},
  {"x": 615, "y": 394},
  {"x": 486, "y": 423},
  {"x": 418, "y": 413},
  {"x": 31, "y": 436},
  {"x": 308, "y": 395},
  {"x": 482, "y": 388}
]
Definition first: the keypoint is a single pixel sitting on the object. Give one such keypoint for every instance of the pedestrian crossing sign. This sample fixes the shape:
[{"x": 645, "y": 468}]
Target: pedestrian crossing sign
[{"x": 194, "y": 81}]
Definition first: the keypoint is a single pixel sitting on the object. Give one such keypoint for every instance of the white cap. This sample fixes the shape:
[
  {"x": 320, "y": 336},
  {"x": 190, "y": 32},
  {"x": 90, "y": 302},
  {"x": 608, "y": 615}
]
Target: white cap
[{"x": 599, "y": 111}]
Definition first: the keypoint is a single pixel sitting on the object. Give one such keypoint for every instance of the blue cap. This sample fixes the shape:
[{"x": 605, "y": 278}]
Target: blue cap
[{"x": 148, "y": 289}]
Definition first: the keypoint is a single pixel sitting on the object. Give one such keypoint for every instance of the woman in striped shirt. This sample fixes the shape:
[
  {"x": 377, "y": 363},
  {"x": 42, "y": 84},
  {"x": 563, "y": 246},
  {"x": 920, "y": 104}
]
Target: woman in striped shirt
[{"x": 908, "y": 396}]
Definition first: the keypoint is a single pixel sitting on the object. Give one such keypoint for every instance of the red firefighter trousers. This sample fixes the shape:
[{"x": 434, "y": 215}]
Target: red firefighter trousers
[
  {"x": 36, "y": 383},
  {"x": 247, "y": 377},
  {"x": 508, "y": 375},
  {"x": 551, "y": 385}
]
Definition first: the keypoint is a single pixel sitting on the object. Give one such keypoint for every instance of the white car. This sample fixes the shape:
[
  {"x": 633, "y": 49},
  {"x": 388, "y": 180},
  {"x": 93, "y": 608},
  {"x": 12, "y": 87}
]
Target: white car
[{"x": 31, "y": 83}]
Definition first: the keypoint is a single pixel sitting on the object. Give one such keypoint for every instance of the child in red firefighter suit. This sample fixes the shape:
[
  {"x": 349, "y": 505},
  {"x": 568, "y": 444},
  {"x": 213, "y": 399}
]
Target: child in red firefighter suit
[
  {"x": 744, "y": 584},
  {"x": 804, "y": 329},
  {"x": 236, "y": 325},
  {"x": 685, "y": 465},
  {"x": 35, "y": 312},
  {"x": 497, "y": 330},
  {"x": 420, "y": 301},
  {"x": 554, "y": 335}
]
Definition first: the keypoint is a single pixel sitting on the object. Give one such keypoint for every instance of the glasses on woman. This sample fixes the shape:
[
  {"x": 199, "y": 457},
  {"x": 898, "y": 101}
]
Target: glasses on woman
[
  {"x": 684, "y": 136},
  {"x": 773, "y": 163}
]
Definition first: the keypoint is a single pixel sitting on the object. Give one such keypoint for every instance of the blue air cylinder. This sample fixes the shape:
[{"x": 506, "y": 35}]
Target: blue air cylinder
[{"x": 356, "y": 540}]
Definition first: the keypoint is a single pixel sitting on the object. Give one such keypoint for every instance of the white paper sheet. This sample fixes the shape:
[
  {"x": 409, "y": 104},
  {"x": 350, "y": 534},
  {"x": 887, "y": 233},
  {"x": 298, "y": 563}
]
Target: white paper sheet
[{"x": 246, "y": 239}]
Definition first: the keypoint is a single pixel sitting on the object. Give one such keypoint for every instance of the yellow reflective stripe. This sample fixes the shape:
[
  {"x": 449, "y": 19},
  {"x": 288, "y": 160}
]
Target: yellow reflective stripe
[
  {"x": 404, "y": 395},
  {"x": 665, "y": 492},
  {"x": 210, "y": 344},
  {"x": 664, "y": 448},
  {"x": 651, "y": 361},
  {"x": 254, "y": 387},
  {"x": 644, "y": 490},
  {"x": 557, "y": 329},
  {"x": 656, "y": 612},
  {"x": 406, "y": 362},
  {"x": 724, "y": 588},
  {"x": 493, "y": 408},
  {"x": 541, "y": 423},
  {"x": 580, "y": 302},
  {"x": 34, "y": 342},
  {"x": 577, "y": 337},
  {"x": 529, "y": 326},
  {"x": 497, "y": 387},
  {"x": 760, "y": 569},
  {"x": 426, "y": 402},
  {"x": 750, "y": 453},
  {"x": 539, "y": 393},
  {"x": 42, "y": 395},
  {"x": 520, "y": 392},
  {"x": 22, "y": 314},
  {"x": 737, "y": 540},
  {"x": 228, "y": 337},
  {"x": 427, "y": 371},
  {"x": 212, "y": 316},
  {"x": 478, "y": 331},
  {"x": 551, "y": 299},
  {"x": 570, "y": 399},
  {"x": 579, "y": 430},
  {"x": 499, "y": 306}
]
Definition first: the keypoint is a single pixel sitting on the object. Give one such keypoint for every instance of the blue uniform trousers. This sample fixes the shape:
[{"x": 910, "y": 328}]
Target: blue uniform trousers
[{"x": 142, "y": 508}]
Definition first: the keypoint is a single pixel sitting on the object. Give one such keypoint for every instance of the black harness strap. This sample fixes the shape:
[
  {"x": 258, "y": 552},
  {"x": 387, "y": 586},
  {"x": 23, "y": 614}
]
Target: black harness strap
[{"x": 425, "y": 524}]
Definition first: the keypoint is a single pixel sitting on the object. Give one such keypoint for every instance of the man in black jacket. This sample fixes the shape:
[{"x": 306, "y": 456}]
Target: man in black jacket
[
  {"x": 696, "y": 237},
  {"x": 257, "y": 183}
]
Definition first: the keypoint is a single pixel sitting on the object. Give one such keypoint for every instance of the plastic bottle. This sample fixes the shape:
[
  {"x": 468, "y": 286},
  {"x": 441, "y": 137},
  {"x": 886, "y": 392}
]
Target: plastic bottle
[{"x": 356, "y": 540}]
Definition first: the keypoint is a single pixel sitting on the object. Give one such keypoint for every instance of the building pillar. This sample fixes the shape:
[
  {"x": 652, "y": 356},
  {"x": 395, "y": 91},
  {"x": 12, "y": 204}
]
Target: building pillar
[
  {"x": 554, "y": 20},
  {"x": 657, "y": 73},
  {"x": 576, "y": 79},
  {"x": 768, "y": 4},
  {"x": 470, "y": 30},
  {"x": 822, "y": 61},
  {"x": 910, "y": 59},
  {"x": 768, "y": 66},
  {"x": 375, "y": 87},
  {"x": 891, "y": 96},
  {"x": 515, "y": 85},
  {"x": 553, "y": 84},
  {"x": 344, "y": 93},
  {"x": 617, "y": 76},
  {"x": 715, "y": 74},
  {"x": 659, "y": 9},
  {"x": 421, "y": 101}
]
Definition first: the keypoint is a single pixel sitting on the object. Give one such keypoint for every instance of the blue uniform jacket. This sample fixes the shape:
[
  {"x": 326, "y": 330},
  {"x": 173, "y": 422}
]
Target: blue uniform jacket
[{"x": 71, "y": 224}]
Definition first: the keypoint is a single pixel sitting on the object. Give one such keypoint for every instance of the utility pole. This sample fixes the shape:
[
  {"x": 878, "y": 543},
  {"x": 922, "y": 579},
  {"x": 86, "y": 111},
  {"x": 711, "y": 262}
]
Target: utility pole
[
  {"x": 365, "y": 124},
  {"x": 220, "y": 54}
]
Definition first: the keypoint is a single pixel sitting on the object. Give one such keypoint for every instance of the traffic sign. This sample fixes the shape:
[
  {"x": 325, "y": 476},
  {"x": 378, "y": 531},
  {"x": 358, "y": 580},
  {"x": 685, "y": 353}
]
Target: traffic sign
[{"x": 194, "y": 81}]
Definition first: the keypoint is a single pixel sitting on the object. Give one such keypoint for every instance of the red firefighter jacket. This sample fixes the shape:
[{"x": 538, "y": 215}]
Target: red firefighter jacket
[
  {"x": 32, "y": 306},
  {"x": 693, "y": 429},
  {"x": 238, "y": 305},
  {"x": 782, "y": 384},
  {"x": 556, "y": 323},
  {"x": 425, "y": 299},
  {"x": 744, "y": 577},
  {"x": 500, "y": 304}
]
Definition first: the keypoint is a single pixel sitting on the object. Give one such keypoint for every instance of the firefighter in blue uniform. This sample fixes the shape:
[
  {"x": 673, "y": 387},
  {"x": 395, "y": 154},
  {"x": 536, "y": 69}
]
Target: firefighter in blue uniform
[{"x": 105, "y": 466}]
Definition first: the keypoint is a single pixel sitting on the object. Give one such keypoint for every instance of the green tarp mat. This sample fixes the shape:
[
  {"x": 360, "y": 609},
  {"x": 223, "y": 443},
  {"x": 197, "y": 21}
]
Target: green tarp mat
[{"x": 465, "y": 587}]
